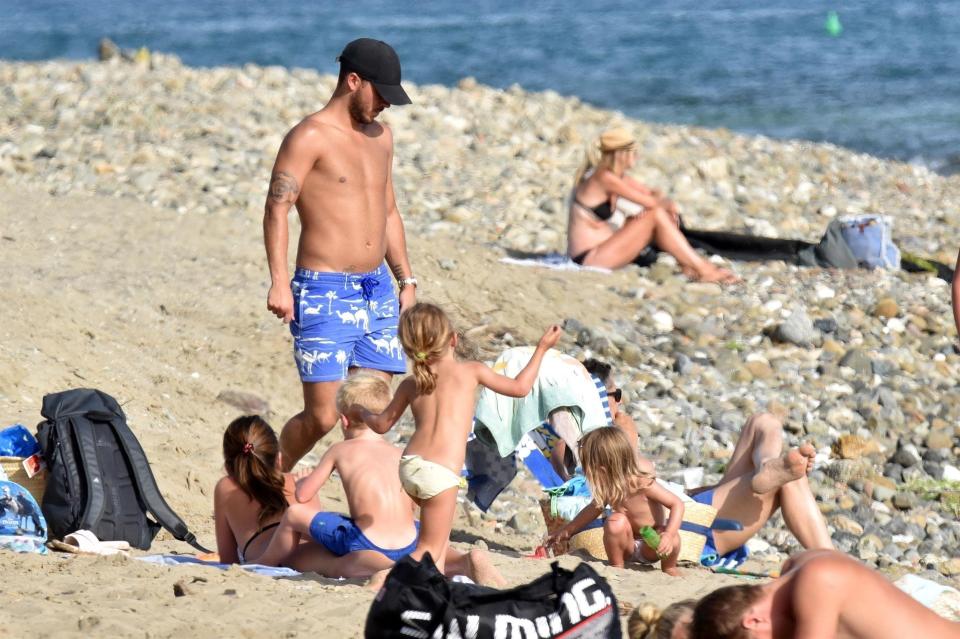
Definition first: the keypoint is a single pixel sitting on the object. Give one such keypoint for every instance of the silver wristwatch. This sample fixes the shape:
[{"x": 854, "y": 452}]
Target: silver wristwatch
[{"x": 407, "y": 281}]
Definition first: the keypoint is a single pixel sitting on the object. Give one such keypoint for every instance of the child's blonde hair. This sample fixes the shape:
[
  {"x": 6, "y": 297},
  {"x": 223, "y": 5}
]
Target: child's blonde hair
[
  {"x": 649, "y": 622},
  {"x": 610, "y": 466},
  {"x": 425, "y": 333},
  {"x": 366, "y": 389}
]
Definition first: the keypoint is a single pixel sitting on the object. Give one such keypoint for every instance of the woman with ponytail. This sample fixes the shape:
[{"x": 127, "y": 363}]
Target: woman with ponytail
[
  {"x": 595, "y": 236},
  {"x": 673, "y": 622},
  {"x": 441, "y": 394},
  {"x": 250, "y": 500}
]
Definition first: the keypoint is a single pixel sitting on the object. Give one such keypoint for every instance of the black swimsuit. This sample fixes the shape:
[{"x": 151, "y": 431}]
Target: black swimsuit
[
  {"x": 243, "y": 553},
  {"x": 603, "y": 213}
]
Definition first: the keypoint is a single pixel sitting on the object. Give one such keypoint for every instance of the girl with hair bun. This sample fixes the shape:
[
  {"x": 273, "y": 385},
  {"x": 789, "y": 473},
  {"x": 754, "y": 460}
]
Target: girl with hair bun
[
  {"x": 649, "y": 622},
  {"x": 595, "y": 234},
  {"x": 441, "y": 393}
]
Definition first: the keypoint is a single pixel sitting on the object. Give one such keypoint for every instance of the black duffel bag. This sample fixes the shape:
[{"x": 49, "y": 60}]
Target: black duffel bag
[{"x": 417, "y": 602}]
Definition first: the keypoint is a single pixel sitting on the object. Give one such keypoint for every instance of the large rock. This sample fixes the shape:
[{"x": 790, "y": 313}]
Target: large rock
[{"x": 797, "y": 329}]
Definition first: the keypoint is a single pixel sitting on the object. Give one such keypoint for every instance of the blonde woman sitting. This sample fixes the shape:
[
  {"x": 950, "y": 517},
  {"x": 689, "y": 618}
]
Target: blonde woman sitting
[{"x": 594, "y": 235}]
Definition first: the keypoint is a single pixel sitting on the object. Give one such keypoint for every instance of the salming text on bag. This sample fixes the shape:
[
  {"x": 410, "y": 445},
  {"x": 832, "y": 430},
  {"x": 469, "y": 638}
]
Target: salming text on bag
[
  {"x": 417, "y": 602},
  {"x": 99, "y": 478}
]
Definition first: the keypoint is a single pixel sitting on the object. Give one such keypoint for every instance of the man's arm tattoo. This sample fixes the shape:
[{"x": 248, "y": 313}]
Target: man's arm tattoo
[
  {"x": 283, "y": 188},
  {"x": 397, "y": 271}
]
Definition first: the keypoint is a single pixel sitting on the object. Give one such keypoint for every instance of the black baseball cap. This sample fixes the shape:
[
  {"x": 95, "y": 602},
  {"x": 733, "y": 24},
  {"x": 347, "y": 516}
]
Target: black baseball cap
[{"x": 376, "y": 62}]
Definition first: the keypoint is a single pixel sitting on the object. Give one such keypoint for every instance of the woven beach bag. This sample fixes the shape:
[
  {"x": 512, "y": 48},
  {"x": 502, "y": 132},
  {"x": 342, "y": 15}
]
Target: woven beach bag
[
  {"x": 13, "y": 467},
  {"x": 691, "y": 543}
]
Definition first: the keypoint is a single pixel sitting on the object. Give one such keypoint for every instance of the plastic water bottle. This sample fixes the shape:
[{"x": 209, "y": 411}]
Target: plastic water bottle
[{"x": 650, "y": 537}]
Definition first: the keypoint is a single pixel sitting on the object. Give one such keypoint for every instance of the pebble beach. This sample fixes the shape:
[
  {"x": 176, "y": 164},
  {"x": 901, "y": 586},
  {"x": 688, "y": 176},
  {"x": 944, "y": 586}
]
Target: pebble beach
[{"x": 131, "y": 195}]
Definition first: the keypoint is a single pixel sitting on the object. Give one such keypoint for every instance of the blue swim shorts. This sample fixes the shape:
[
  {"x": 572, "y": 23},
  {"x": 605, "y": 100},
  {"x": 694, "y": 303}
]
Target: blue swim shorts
[
  {"x": 341, "y": 536},
  {"x": 344, "y": 320}
]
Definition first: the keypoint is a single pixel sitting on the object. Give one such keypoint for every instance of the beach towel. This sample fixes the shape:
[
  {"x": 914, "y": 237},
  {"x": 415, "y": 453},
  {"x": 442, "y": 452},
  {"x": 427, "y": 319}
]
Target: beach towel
[
  {"x": 553, "y": 261},
  {"x": 563, "y": 382},
  {"x": 488, "y": 474},
  {"x": 177, "y": 560}
]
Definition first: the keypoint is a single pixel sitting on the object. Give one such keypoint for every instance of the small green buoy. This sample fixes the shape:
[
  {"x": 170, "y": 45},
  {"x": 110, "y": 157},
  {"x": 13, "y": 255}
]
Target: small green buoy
[{"x": 832, "y": 25}]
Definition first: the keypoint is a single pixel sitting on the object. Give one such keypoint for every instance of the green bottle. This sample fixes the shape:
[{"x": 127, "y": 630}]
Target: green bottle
[{"x": 650, "y": 537}]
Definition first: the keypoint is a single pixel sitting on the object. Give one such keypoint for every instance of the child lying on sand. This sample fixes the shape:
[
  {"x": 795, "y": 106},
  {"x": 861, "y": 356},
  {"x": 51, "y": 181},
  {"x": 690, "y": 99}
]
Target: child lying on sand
[
  {"x": 611, "y": 469},
  {"x": 381, "y": 528},
  {"x": 821, "y": 594}
]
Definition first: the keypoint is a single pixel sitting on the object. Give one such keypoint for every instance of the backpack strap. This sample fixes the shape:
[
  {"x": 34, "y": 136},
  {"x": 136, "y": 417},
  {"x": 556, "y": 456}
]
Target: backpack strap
[
  {"x": 87, "y": 447},
  {"x": 147, "y": 485}
]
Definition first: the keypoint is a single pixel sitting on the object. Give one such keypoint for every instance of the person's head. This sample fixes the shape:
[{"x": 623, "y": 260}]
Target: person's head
[
  {"x": 673, "y": 622},
  {"x": 366, "y": 389},
  {"x": 604, "y": 372},
  {"x": 251, "y": 456},
  {"x": 425, "y": 334},
  {"x": 610, "y": 466},
  {"x": 614, "y": 150},
  {"x": 370, "y": 77},
  {"x": 733, "y": 612}
]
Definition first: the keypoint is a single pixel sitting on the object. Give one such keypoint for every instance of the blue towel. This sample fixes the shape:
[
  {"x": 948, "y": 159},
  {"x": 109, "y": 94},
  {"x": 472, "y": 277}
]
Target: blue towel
[
  {"x": 174, "y": 560},
  {"x": 17, "y": 441}
]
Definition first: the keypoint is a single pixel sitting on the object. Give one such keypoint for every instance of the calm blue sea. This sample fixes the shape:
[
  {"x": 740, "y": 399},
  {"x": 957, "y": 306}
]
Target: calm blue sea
[{"x": 889, "y": 84}]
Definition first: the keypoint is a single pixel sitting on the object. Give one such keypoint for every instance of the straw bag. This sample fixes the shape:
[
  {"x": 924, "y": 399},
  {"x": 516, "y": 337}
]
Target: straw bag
[
  {"x": 691, "y": 543},
  {"x": 13, "y": 468}
]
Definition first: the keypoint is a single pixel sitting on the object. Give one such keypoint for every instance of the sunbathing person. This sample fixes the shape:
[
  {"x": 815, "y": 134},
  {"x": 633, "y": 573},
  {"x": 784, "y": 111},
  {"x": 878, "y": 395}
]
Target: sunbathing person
[
  {"x": 600, "y": 182},
  {"x": 381, "y": 527},
  {"x": 761, "y": 477},
  {"x": 820, "y": 594}
]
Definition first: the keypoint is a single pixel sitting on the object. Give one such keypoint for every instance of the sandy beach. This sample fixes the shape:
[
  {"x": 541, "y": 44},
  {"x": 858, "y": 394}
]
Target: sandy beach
[{"x": 153, "y": 289}]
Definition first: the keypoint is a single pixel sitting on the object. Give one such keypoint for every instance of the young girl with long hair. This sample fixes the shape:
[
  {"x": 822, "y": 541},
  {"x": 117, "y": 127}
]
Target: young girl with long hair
[
  {"x": 635, "y": 498},
  {"x": 441, "y": 393},
  {"x": 592, "y": 237},
  {"x": 249, "y": 501}
]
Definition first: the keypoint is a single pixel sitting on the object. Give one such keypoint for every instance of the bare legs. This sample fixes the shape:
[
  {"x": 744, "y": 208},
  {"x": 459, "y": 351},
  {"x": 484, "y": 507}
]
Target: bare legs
[
  {"x": 318, "y": 417},
  {"x": 436, "y": 520},
  {"x": 761, "y": 478},
  {"x": 618, "y": 542},
  {"x": 657, "y": 226}
]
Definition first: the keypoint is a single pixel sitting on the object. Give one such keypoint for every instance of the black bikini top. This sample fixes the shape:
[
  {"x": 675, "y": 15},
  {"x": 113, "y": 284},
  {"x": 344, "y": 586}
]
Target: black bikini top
[{"x": 602, "y": 210}]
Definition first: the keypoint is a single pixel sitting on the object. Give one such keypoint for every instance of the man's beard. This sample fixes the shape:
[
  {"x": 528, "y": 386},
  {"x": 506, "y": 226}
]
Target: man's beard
[{"x": 357, "y": 113}]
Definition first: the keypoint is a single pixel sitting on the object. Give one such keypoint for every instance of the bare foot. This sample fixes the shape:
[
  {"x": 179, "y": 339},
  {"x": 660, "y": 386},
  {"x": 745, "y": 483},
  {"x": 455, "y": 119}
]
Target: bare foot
[
  {"x": 774, "y": 473},
  {"x": 378, "y": 579},
  {"x": 718, "y": 275},
  {"x": 673, "y": 572},
  {"x": 482, "y": 570}
]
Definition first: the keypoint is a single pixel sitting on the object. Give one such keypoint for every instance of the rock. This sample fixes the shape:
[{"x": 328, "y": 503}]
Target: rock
[
  {"x": 854, "y": 447},
  {"x": 759, "y": 369},
  {"x": 859, "y": 361},
  {"x": 950, "y": 473},
  {"x": 882, "y": 493},
  {"x": 950, "y": 567},
  {"x": 526, "y": 522},
  {"x": 825, "y": 325},
  {"x": 107, "y": 50},
  {"x": 797, "y": 329},
  {"x": 907, "y": 455},
  {"x": 938, "y": 439},
  {"x": 904, "y": 500},
  {"x": 886, "y": 308},
  {"x": 662, "y": 321},
  {"x": 682, "y": 364},
  {"x": 846, "y": 524}
]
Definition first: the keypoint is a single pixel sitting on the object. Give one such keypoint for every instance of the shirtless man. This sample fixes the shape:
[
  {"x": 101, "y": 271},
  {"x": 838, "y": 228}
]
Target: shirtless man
[
  {"x": 381, "y": 528},
  {"x": 821, "y": 594},
  {"x": 335, "y": 165}
]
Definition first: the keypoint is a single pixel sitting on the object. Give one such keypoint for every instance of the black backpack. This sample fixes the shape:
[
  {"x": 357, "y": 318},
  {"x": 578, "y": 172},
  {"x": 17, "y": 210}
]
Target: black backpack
[
  {"x": 417, "y": 601},
  {"x": 98, "y": 476}
]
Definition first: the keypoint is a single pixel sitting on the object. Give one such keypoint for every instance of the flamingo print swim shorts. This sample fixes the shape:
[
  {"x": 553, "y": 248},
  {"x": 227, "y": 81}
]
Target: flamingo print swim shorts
[{"x": 342, "y": 320}]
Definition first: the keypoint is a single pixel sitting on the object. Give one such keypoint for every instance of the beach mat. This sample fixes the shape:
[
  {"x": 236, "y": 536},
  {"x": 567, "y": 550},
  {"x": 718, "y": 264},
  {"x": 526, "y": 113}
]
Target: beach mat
[{"x": 180, "y": 560}]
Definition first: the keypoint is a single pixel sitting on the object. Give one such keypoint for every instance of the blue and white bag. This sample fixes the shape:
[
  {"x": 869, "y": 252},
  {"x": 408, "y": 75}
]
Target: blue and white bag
[
  {"x": 870, "y": 241},
  {"x": 22, "y": 526}
]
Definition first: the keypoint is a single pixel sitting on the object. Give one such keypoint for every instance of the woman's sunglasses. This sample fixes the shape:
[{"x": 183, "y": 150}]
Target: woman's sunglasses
[{"x": 617, "y": 394}]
